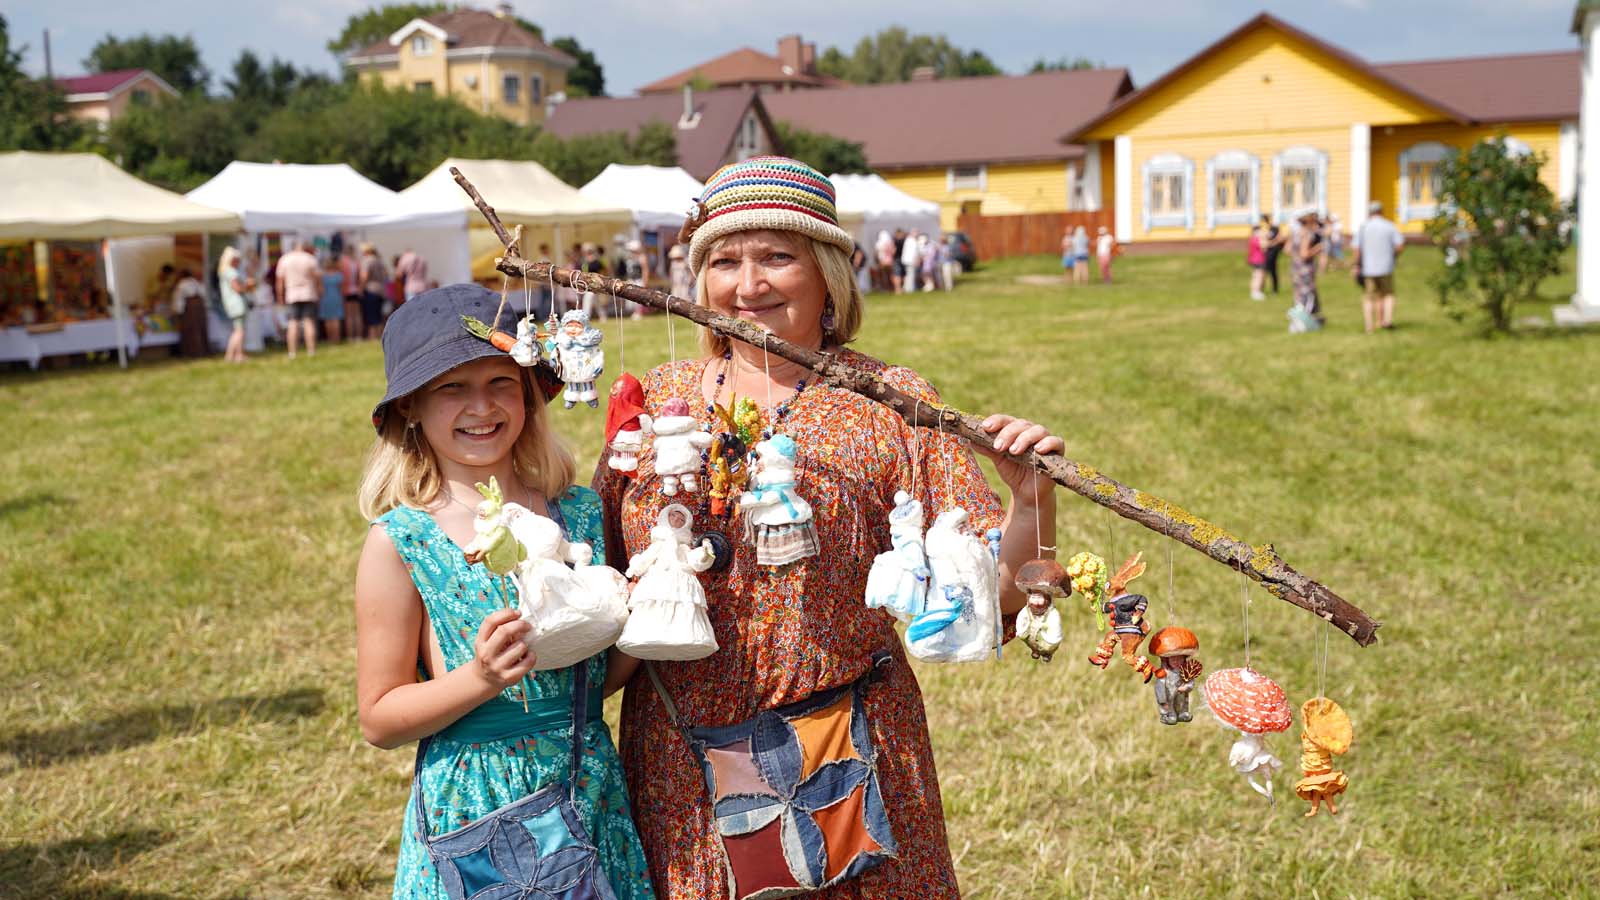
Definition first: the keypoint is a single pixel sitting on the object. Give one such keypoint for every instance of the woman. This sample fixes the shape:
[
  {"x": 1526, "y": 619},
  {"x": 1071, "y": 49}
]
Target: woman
[
  {"x": 330, "y": 310},
  {"x": 374, "y": 278},
  {"x": 1255, "y": 256},
  {"x": 1305, "y": 250},
  {"x": 768, "y": 250},
  {"x": 884, "y": 279},
  {"x": 1080, "y": 255},
  {"x": 1272, "y": 245},
  {"x": 233, "y": 285}
]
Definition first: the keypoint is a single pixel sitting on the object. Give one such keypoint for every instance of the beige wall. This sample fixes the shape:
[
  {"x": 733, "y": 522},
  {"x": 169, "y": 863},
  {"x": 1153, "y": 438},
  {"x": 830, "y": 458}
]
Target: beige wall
[{"x": 475, "y": 80}]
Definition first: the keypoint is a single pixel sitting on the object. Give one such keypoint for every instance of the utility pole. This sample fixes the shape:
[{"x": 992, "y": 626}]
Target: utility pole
[{"x": 48, "y": 75}]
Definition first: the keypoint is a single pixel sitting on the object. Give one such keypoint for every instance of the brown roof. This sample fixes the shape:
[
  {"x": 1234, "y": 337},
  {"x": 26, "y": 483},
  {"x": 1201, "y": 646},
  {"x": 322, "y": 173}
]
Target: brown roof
[
  {"x": 701, "y": 150},
  {"x": 1001, "y": 118},
  {"x": 470, "y": 28},
  {"x": 1526, "y": 87},
  {"x": 107, "y": 82},
  {"x": 741, "y": 67}
]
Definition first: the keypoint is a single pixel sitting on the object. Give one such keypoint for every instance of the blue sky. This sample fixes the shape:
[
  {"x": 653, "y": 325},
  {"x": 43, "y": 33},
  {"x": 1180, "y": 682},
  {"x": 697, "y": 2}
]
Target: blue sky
[{"x": 638, "y": 41}]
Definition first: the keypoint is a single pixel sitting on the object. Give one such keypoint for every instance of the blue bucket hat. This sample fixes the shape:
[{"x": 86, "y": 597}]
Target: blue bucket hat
[{"x": 425, "y": 339}]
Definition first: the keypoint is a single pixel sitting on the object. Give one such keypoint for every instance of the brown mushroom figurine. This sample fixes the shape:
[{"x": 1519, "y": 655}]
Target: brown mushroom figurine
[
  {"x": 1255, "y": 705},
  {"x": 1325, "y": 732},
  {"x": 1179, "y": 670},
  {"x": 1039, "y": 623}
]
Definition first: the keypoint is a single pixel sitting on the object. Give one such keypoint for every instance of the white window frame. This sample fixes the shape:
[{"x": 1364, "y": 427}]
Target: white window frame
[
  {"x": 1425, "y": 152},
  {"x": 950, "y": 179},
  {"x": 1516, "y": 146},
  {"x": 535, "y": 89},
  {"x": 1233, "y": 161},
  {"x": 1299, "y": 157},
  {"x": 421, "y": 45},
  {"x": 511, "y": 88},
  {"x": 1169, "y": 164}
]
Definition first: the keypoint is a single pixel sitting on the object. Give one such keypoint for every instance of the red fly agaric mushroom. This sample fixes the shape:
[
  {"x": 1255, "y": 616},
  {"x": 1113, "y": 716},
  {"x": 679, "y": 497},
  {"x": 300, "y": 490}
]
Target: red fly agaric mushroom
[
  {"x": 1175, "y": 681},
  {"x": 1039, "y": 623},
  {"x": 1255, "y": 705}
]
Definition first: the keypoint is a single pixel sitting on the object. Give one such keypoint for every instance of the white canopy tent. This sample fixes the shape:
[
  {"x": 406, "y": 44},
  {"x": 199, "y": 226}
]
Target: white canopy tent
[
  {"x": 868, "y": 204},
  {"x": 659, "y": 196},
  {"x": 313, "y": 198},
  {"x": 84, "y": 197},
  {"x": 522, "y": 193}
]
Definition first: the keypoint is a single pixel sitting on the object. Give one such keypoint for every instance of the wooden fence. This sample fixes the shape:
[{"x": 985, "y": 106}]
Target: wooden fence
[{"x": 996, "y": 237}]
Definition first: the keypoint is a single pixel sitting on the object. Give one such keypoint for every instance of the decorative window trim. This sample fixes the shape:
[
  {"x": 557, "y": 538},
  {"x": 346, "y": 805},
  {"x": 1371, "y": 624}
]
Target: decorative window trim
[
  {"x": 511, "y": 88},
  {"x": 1233, "y": 161},
  {"x": 421, "y": 45},
  {"x": 1296, "y": 157},
  {"x": 1169, "y": 164},
  {"x": 1425, "y": 152},
  {"x": 950, "y": 179},
  {"x": 1516, "y": 146},
  {"x": 535, "y": 89}
]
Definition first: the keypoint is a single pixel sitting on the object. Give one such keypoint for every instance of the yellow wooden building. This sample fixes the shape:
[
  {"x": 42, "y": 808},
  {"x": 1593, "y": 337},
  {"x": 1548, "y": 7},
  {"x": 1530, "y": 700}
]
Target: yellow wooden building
[
  {"x": 484, "y": 59},
  {"x": 1270, "y": 120}
]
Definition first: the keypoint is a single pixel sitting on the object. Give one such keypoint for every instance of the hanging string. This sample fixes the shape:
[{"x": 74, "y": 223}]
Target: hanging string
[
  {"x": 1244, "y": 612},
  {"x": 1111, "y": 537},
  {"x": 527, "y": 292},
  {"x": 622, "y": 334},
  {"x": 1038, "y": 521},
  {"x": 672, "y": 334},
  {"x": 916, "y": 446},
  {"x": 505, "y": 287},
  {"x": 949, "y": 464},
  {"x": 766, "y": 366},
  {"x": 1172, "y": 609},
  {"x": 1319, "y": 639}
]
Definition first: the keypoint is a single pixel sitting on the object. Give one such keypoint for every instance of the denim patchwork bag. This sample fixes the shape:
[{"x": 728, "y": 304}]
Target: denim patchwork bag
[
  {"x": 536, "y": 847},
  {"x": 794, "y": 791}
]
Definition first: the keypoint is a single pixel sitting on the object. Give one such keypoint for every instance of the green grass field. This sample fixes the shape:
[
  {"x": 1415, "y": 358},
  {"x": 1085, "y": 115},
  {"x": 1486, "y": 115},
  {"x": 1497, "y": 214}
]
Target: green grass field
[{"x": 178, "y": 545}]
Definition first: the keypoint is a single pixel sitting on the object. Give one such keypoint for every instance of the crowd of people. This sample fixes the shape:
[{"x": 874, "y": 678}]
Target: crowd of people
[
  {"x": 1075, "y": 254},
  {"x": 1316, "y": 243},
  {"x": 905, "y": 261}
]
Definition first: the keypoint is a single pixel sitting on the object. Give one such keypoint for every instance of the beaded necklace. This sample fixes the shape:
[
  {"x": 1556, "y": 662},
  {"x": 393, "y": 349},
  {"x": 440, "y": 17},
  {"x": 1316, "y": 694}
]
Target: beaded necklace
[{"x": 779, "y": 413}]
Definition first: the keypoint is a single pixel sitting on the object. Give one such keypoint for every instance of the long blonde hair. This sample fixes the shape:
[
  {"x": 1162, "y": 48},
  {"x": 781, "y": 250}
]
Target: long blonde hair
[
  {"x": 837, "y": 274},
  {"x": 402, "y": 470}
]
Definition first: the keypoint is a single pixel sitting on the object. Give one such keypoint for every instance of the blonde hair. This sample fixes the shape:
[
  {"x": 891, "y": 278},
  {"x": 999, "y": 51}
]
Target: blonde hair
[
  {"x": 837, "y": 274},
  {"x": 402, "y": 470},
  {"x": 230, "y": 257}
]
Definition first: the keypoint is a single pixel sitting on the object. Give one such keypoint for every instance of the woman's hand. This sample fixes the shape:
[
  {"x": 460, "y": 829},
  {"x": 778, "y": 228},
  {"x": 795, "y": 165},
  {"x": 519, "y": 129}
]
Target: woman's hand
[
  {"x": 1018, "y": 436},
  {"x": 502, "y": 656}
]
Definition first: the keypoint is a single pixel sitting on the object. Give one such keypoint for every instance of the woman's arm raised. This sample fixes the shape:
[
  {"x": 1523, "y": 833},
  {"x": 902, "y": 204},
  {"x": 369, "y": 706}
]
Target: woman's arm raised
[{"x": 1031, "y": 510}]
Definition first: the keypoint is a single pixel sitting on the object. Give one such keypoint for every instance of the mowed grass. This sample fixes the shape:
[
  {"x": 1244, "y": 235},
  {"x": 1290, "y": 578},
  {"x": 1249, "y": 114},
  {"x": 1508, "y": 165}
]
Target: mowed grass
[{"x": 178, "y": 545}]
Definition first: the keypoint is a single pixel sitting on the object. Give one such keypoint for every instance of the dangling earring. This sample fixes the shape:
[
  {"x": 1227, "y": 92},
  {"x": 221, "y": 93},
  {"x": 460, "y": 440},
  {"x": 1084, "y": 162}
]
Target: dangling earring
[{"x": 827, "y": 321}]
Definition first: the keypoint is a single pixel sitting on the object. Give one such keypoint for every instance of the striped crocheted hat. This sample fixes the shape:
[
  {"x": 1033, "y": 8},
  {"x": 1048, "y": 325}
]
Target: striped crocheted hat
[{"x": 765, "y": 192}]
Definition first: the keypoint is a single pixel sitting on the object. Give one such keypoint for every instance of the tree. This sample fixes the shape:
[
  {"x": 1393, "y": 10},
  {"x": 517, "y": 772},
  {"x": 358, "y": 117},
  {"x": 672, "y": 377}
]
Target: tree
[
  {"x": 1501, "y": 231},
  {"x": 175, "y": 59},
  {"x": 259, "y": 89},
  {"x": 586, "y": 79},
  {"x": 577, "y": 160},
  {"x": 894, "y": 53},
  {"x": 377, "y": 23},
  {"x": 1076, "y": 63},
  {"x": 826, "y": 153},
  {"x": 33, "y": 114},
  {"x": 178, "y": 144}
]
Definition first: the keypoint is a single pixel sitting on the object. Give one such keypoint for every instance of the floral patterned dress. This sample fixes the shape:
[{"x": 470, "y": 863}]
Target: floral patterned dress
[
  {"x": 462, "y": 782},
  {"x": 787, "y": 632}
]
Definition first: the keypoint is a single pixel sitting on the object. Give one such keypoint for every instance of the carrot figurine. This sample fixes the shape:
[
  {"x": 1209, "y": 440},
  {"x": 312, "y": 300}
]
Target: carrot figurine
[{"x": 500, "y": 340}]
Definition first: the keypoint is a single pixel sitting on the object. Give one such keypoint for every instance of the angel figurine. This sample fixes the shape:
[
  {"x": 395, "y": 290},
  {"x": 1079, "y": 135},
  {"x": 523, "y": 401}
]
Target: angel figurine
[
  {"x": 961, "y": 619},
  {"x": 777, "y": 520},
  {"x": 625, "y": 424},
  {"x": 578, "y": 358},
  {"x": 678, "y": 444},
  {"x": 898, "y": 579},
  {"x": 574, "y": 612},
  {"x": 668, "y": 618},
  {"x": 493, "y": 544}
]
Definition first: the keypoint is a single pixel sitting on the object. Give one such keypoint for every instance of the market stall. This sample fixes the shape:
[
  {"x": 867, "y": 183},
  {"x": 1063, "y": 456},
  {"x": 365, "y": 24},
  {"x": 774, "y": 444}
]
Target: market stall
[
  {"x": 868, "y": 204},
  {"x": 59, "y": 289},
  {"x": 658, "y": 197}
]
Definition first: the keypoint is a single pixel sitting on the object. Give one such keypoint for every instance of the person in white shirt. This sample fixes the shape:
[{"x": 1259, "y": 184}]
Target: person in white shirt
[
  {"x": 911, "y": 258},
  {"x": 1105, "y": 247},
  {"x": 1377, "y": 245}
]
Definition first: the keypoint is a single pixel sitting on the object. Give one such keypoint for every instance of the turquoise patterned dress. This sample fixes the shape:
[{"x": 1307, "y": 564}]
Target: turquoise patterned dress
[{"x": 462, "y": 782}]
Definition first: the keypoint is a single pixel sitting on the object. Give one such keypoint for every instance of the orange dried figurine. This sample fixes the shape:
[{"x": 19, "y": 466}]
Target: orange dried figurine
[
  {"x": 1128, "y": 625},
  {"x": 1255, "y": 705},
  {"x": 1325, "y": 732}
]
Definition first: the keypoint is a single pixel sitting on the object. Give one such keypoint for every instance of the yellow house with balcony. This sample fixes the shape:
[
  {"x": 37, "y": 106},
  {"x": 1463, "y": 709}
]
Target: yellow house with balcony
[
  {"x": 484, "y": 59},
  {"x": 1270, "y": 120}
]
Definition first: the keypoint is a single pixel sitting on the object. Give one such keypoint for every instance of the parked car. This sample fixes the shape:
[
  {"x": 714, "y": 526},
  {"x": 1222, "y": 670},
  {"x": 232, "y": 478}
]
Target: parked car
[{"x": 960, "y": 247}]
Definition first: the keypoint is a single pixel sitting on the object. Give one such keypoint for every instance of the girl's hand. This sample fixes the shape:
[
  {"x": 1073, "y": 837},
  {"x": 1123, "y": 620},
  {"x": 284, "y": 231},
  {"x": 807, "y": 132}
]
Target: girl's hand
[
  {"x": 1018, "y": 436},
  {"x": 503, "y": 658}
]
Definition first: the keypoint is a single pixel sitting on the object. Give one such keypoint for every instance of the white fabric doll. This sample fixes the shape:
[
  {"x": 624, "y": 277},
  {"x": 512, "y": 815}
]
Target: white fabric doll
[
  {"x": 777, "y": 520},
  {"x": 575, "y": 613},
  {"x": 678, "y": 443},
  {"x": 493, "y": 544},
  {"x": 528, "y": 350},
  {"x": 578, "y": 358},
  {"x": 898, "y": 580},
  {"x": 668, "y": 618},
  {"x": 961, "y": 622}
]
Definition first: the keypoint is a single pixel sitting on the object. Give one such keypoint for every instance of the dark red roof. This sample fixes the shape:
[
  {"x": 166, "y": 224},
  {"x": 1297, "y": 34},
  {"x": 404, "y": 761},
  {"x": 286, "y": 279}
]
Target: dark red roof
[
  {"x": 101, "y": 82},
  {"x": 1002, "y": 118},
  {"x": 741, "y": 67},
  {"x": 475, "y": 28},
  {"x": 1519, "y": 88},
  {"x": 701, "y": 149}
]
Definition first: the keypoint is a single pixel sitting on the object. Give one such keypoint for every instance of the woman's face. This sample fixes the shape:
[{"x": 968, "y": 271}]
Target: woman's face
[
  {"x": 768, "y": 278},
  {"x": 472, "y": 414}
]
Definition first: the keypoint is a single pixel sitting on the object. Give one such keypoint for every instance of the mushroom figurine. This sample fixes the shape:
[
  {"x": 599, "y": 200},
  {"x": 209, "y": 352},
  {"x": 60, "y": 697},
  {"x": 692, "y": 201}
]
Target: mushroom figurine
[
  {"x": 1325, "y": 732},
  {"x": 1255, "y": 705},
  {"x": 1039, "y": 623},
  {"x": 1179, "y": 670}
]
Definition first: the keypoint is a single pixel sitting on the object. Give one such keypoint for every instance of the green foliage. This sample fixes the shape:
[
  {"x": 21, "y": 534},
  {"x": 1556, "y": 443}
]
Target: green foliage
[
  {"x": 378, "y": 22},
  {"x": 894, "y": 53},
  {"x": 826, "y": 153},
  {"x": 33, "y": 113},
  {"x": 587, "y": 78},
  {"x": 258, "y": 89},
  {"x": 177, "y": 144},
  {"x": 1501, "y": 231},
  {"x": 577, "y": 160},
  {"x": 1063, "y": 64},
  {"x": 175, "y": 59}
]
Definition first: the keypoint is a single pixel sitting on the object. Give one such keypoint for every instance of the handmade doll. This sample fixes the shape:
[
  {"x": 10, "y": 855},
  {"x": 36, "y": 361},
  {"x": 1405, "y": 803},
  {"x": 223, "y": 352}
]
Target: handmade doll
[
  {"x": 1325, "y": 732},
  {"x": 898, "y": 580},
  {"x": 678, "y": 444},
  {"x": 1175, "y": 679},
  {"x": 625, "y": 424},
  {"x": 1039, "y": 623},
  {"x": 1128, "y": 625},
  {"x": 493, "y": 544},
  {"x": 574, "y": 612},
  {"x": 1255, "y": 705},
  {"x": 776, "y": 519},
  {"x": 961, "y": 619},
  {"x": 529, "y": 348},
  {"x": 578, "y": 357},
  {"x": 668, "y": 618}
]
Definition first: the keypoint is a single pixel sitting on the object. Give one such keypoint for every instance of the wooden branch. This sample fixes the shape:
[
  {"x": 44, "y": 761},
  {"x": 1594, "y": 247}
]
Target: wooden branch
[{"x": 1260, "y": 562}]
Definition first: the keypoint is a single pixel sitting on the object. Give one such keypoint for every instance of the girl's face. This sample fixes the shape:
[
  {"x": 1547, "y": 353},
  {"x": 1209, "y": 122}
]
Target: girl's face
[
  {"x": 769, "y": 278},
  {"x": 472, "y": 414}
]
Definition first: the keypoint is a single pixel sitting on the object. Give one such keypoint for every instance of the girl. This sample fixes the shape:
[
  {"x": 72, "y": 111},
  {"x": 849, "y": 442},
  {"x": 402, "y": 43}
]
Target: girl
[{"x": 439, "y": 654}]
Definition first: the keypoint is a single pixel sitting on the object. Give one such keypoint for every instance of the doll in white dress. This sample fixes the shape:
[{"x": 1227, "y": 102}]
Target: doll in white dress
[
  {"x": 574, "y": 612},
  {"x": 898, "y": 580},
  {"x": 678, "y": 443},
  {"x": 777, "y": 520},
  {"x": 962, "y": 618},
  {"x": 668, "y": 618}
]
